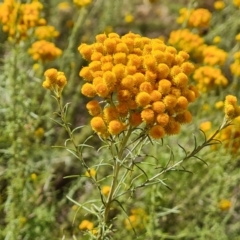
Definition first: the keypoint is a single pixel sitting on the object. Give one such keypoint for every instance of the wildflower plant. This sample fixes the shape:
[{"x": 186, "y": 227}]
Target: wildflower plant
[{"x": 140, "y": 93}]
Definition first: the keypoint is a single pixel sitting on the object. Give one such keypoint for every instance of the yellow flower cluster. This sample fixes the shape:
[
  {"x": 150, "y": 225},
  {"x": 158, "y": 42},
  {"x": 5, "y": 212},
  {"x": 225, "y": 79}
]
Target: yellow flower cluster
[
  {"x": 86, "y": 225},
  {"x": 18, "y": 18},
  {"x": 231, "y": 109},
  {"x": 82, "y": 3},
  {"x": 46, "y": 32},
  {"x": 208, "y": 78},
  {"x": 230, "y": 136},
  {"x": 129, "y": 18},
  {"x": 142, "y": 80},
  {"x": 237, "y": 37},
  {"x": 236, "y": 3},
  {"x": 195, "y": 18},
  {"x": 224, "y": 204},
  {"x": 219, "y": 5},
  {"x": 214, "y": 56},
  {"x": 55, "y": 81},
  {"x": 137, "y": 219},
  {"x": 235, "y": 66},
  {"x": 187, "y": 41},
  {"x": 44, "y": 50}
]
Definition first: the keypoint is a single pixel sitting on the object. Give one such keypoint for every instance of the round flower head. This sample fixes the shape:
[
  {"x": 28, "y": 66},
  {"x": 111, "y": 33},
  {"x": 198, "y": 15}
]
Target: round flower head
[
  {"x": 146, "y": 87},
  {"x": 156, "y": 132},
  {"x": 86, "y": 74},
  {"x": 183, "y": 118},
  {"x": 93, "y": 108},
  {"x": 51, "y": 74},
  {"x": 155, "y": 95},
  {"x": 88, "y": 90},
  {"x": 143, "y": 99},
  {"x": 182, "y": 104},
  {"x": 110, "y": 113},
  {"x": 170, "y": 101},
  {"x": 162, "y": 119},
  {"x": 102, "y": 90},
  {"x": 135, "y": 119},
  {"x": 147, "y": 115},
  {"x": 158, "y": 107},
  {"x": 115, "y": 127},
  {"x": 164, "y": 86},
  {"x": 163, "y": 70},
  {"x": 98, "y": 125},
  {"x": 181, "y": 80},
  {"x": 173, "y": 127}
]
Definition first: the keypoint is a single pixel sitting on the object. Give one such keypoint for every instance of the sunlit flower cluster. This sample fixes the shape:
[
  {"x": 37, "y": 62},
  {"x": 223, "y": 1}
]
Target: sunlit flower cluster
[
  {"x": 55, "y": 80},
  {"x": 219, "y": 5},
  {"x": 231, "y": 109},
  {"x": 141, "y": 81},
  {"x": 225, "y": 204},
  {"x": 44, "y": 50},
  {"x": 46, "y": 32},
  {"x": 86, "y": 225},
  {"x": 236, "y": 3},
  {"x": 82, "y": 3},
  {"x": 137, "y": 219},
  {"x": 195, "y": 18},
  {"x": 129, "y": 18},
  {"x": 18, "y": 18},
  {"x": 214, "y": 56},
  {"x": 208, "y": 78},
  {"x": 230, "y": 136},
  {"x": 187, "y": 41},
  {"x": 235, "y": 66}
]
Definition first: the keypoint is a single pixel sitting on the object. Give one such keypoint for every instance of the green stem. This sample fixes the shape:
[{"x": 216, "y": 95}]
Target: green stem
[{"x": 118, "y": 161}]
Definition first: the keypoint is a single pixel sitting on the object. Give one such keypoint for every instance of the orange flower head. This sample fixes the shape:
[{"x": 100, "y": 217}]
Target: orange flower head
[
  {"x": 143, "y": 99},
  {"x": 158, "y": 107},
  {"x": 162, "y": 119},
  {"x": 147, "y": 115},
  {"x": 164, "y": 86},
  {"x": 163, "y": 70},
  {"x": 98, "y": 125},
  {"x": 135, "y": 119},
  {"x": 94, "y": 108},
  {"x": 110, "y": 113},
  {"x": 86, "y": 74},
  {"x": 115, "y": 127},
  {"x": 88, "y": 90},
  {"x": 156, "y": 132}
]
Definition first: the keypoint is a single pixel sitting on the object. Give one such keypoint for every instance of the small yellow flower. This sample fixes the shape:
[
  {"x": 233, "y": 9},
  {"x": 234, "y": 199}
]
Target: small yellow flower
[
  {"x": 90, "y": 173},
  {"x": 143, "y": 99},
  {"x": 217, "y": 39},
  {"x": 74, "y": 207},
  {"x": 98, "y": 125},
  {"x": 129, "y": 18},
  {"x": 33, "y": 176},
  {"x": 39, "y": 133},
  {"x": 157, "y": 132},
  {"x": 82, "y": 3},
  {"x": 219, "y": 104},
  {"x": 219, "y": 5},
  {"x": 93, "y": 108},
  {"x": 86, "y": 225},
  {"x": 237, "y": 37},
  {"x": 225, "y": 204},
  {"x": 44, "y": 50},
  {"x": 115, "y": 127},
  {"x": 106, "y": 190},
  {"x": 205, "y": 126}
]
